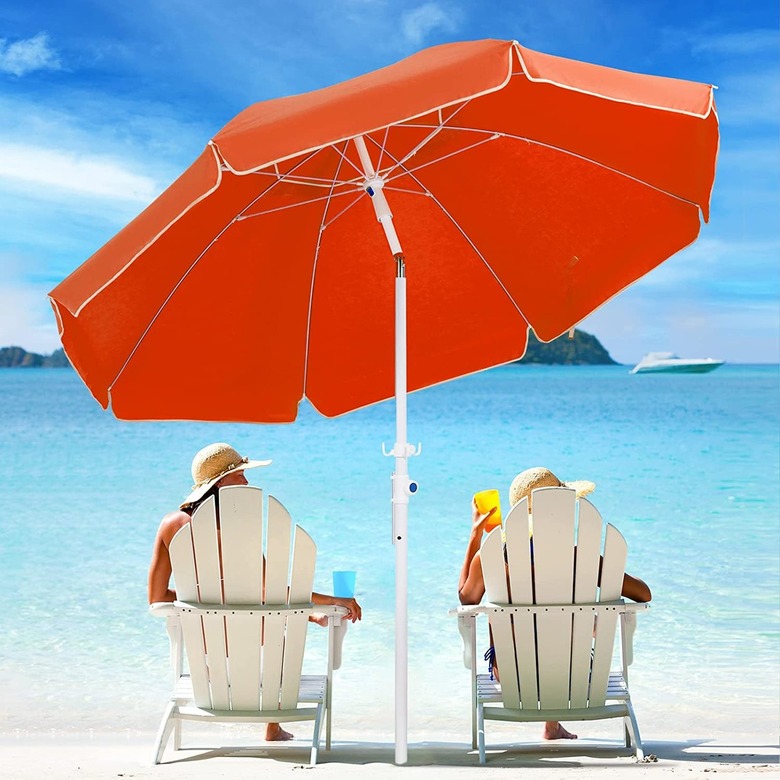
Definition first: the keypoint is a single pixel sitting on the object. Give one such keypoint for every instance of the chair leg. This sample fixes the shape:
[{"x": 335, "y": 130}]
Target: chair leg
[
  {"x": 328, "y": 713},
  {"x": 315, "y": 740},
  {"x": 633, "y": 730},
  {"x": 474, "y": 716},
  {"x": 177, "y": 734},
  {"x": 166, "y": 725},
  {"x": 481, "y": 733}
]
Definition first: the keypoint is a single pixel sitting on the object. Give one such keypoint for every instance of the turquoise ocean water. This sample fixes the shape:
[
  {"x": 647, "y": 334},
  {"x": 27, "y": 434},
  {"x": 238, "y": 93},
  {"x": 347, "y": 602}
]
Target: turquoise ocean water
[{"x": 687, "y": 467}]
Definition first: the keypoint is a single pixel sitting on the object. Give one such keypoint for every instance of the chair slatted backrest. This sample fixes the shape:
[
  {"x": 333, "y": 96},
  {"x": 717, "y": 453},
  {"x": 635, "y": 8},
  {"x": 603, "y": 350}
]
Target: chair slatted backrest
[
  {"x": 557, "y": 658},
  {"x": 249, "y": 660}
]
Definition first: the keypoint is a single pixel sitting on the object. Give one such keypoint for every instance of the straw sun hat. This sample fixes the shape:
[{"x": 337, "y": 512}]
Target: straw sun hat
[
  {"x": 539, "y": 477},
  {"x": 213, "y": 463}
]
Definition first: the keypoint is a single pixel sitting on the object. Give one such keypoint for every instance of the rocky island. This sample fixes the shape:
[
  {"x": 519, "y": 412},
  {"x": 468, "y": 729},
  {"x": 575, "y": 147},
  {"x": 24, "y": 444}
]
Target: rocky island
[
  {"x": 583, "y": 350},
  {"x": 16, "y": 357}
]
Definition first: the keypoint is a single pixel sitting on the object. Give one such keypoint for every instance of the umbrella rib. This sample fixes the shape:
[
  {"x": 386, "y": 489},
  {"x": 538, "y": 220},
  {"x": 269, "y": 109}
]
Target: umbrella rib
[
  {"x": 382, "y": 148},
  {"x": 311, "y": 181},
  {"x": 292, "y": 205},
  {"x": 346, "y": 159},
  {"x": 408, "y": 192},
  {"x": 341, "y": 213},
  {"x": 468, "y": 239},
  {"x": 314, "y": 273},
  {"x": 589, "y": 160},
  {"x": 439, "y": 159},
  {"x": 436, "y": 129},
  {"x": 186, "y": 274},
  {"x": 598, "y": 164}
]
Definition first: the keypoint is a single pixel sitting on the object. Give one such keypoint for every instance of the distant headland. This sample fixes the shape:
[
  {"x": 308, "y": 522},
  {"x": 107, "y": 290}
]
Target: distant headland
[
  {"x": 583, "y": 350},
  {"x": 16, "y": 357}
]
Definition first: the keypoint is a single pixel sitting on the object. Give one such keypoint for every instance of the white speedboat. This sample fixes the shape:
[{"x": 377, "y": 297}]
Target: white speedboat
[{"x": 668, "y": 363}]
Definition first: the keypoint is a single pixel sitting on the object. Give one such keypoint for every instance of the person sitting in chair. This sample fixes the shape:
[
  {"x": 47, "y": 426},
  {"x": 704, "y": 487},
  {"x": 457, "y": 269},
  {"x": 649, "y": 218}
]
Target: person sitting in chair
[
  {"x": 215, "y": 466},
  {"x": 471, "y": 586}
]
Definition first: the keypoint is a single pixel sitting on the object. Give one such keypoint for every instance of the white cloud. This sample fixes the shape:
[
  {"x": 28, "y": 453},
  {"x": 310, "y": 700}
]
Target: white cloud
[
  {"x": 749, "y": 99},
  {"x": 710, "y": 259},
  {"x": 747, "y": 42},
  {"x": 418, "y": 23},
  {"x": 22, "y": 57},
  {"x": 80, "y": 173}
]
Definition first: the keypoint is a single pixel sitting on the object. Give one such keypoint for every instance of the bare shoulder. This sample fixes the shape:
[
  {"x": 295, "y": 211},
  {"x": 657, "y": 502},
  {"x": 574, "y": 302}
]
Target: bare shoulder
[{"x": 170, "y": 524}]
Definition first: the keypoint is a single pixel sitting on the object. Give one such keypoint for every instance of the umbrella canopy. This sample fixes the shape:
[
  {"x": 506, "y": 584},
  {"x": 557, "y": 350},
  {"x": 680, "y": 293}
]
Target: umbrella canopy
[
  {"x": 526, "y": 190},
  {"x": 518, "y": 189}
]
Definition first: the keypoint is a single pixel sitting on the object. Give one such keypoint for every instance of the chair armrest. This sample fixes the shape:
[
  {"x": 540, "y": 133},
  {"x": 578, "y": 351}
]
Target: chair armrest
[
  {"x": 466, "y": 610},
  {"x": 627, "y": 628},
  {"x": 337, "y": 630},
  {"x": 168, "y": 610},
  {"x": 467, "y": 626},
  {"x": 161, "y": 609}
]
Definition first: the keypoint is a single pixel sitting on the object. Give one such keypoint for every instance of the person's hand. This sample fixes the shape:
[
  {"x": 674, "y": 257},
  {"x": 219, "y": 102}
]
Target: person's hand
[
  {"x": 354, "y": 613},
  {"x": 479, "y": 521}
]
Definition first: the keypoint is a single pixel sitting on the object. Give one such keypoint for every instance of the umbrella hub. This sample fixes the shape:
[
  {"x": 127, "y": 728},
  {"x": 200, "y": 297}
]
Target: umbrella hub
[{"x": 374, "y": 187}]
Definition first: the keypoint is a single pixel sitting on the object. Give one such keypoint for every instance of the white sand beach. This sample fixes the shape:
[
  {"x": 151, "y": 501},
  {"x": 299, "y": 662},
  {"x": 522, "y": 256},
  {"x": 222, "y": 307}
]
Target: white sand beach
[{"x": 87, "y": 758}]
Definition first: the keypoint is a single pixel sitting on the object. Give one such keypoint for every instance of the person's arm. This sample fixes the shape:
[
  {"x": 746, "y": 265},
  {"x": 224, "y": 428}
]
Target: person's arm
[
  {"x": 471, "y": 586},
  {"x": 354, "y": 613},
  {"x": 636, "y": 589},
  {"x": 633, "y": 588},
  {"x": 160, "y": 567}
]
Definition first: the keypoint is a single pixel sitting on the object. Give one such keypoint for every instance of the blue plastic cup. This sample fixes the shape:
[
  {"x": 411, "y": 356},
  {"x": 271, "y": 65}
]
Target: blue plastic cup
[{"x": 344, "y": 584}]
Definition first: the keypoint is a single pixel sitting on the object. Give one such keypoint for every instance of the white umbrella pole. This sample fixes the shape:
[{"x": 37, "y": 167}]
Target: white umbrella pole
[
  {"x": 400, "y": 500},
  {"x": 402, "y": 485}
]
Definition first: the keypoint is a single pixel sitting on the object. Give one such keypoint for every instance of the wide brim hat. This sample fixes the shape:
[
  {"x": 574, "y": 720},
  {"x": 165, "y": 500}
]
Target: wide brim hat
[
  {"x": 214, "y": 462},
  {"x": 539, "y": 477}
]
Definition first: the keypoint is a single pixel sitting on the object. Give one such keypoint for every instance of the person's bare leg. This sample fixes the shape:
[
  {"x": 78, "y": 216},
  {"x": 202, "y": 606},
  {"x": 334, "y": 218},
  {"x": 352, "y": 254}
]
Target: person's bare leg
[
  {"x": 554, "y": 730},
  {"x": 275, "y": 733}
]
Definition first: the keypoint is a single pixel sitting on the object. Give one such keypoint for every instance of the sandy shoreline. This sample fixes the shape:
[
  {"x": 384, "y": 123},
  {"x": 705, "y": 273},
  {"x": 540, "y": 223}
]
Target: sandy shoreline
[{"x": 84, "y": 757}]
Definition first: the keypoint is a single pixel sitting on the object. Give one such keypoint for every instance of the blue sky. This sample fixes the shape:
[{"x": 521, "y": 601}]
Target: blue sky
[{"x": 102, "y": 104}]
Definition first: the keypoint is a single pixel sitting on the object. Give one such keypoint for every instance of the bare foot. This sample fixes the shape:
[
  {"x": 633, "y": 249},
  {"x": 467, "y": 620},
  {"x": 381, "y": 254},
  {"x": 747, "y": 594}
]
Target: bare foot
[
  {"x": 275, "y": 733},
  {"x": 318, "y": 618},
  {"x": 554, "y": 730}
]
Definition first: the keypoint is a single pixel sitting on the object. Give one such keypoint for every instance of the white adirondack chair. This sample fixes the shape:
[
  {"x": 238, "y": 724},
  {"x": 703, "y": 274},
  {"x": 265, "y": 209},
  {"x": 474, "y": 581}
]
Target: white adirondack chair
[
  {"x": 244, "y": 648},
  {"x": 553, "y": 627}
]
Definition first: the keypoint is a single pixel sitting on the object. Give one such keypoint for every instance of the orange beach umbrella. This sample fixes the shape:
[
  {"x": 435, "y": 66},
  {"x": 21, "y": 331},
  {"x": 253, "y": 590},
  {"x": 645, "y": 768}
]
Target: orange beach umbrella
[{"x": 514, "y": 189}]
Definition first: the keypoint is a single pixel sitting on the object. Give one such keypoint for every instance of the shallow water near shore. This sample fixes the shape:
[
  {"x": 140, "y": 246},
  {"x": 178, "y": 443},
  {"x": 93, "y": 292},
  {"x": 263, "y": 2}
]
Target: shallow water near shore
[{"x": 685, "y": 466}]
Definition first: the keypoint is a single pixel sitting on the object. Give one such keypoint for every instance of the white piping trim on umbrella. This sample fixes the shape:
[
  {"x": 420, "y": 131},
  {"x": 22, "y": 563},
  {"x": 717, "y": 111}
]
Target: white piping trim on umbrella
[
  {"x": 493, "y": 136},
  {"x": 365, "y": 132},
  {"x": 181, "y": 280},
  {"x": 516, "y": 46},
  {"x": 418, "y": 389},
  {"x": 153, "y": 240}
]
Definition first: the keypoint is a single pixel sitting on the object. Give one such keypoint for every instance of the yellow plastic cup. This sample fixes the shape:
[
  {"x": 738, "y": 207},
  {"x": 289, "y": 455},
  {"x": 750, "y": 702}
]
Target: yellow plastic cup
[{"x": 487, "y": 500}]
